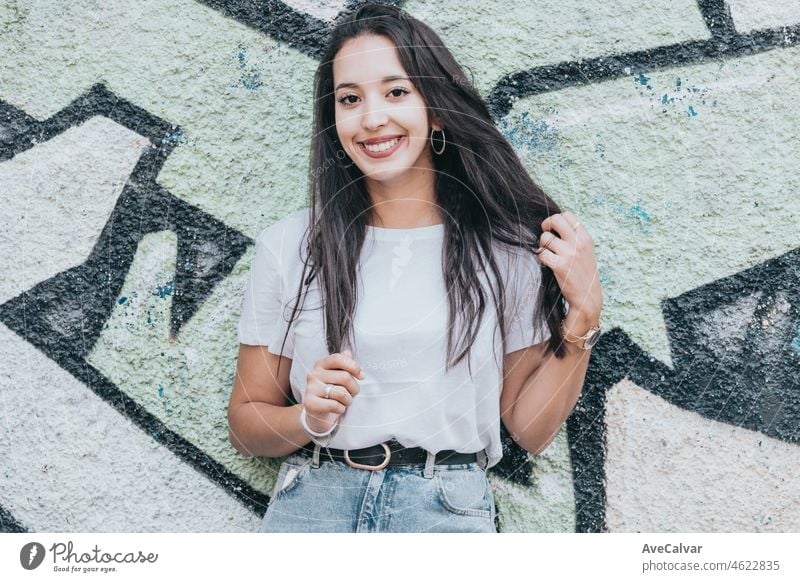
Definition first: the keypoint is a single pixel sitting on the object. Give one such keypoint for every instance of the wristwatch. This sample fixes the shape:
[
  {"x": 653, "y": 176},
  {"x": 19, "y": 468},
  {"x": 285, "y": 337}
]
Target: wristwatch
[{"x": 584, "y": 342}]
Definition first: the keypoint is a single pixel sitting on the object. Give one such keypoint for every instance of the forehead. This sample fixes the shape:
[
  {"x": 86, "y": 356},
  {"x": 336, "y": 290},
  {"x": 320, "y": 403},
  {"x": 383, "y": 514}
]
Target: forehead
[{"x": 366, "y": 59}]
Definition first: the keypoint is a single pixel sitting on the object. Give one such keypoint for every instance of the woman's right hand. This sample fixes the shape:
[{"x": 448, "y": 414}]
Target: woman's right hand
[{"x": 340, "y": 370}]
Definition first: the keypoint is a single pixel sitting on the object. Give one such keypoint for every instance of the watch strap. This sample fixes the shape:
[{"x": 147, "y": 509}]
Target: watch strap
[{"x": 579, "y": 340}]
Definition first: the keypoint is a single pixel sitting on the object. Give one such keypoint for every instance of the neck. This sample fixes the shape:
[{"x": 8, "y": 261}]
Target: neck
[{"x": 411, "y": 204}]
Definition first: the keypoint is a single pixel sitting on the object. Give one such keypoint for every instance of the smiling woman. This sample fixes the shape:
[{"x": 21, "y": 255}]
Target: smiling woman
[
  {"x": 430, "y": 259},
  {"x": 381, "y": 116}
]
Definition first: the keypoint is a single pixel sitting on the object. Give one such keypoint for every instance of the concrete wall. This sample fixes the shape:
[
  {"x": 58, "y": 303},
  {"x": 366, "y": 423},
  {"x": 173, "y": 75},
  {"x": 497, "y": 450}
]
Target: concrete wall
[{"x": 143, "y": 146}]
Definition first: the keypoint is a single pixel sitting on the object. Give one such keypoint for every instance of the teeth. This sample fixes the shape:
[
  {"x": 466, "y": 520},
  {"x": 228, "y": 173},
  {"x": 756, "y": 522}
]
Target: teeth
[{"x": 382, "y": 147}]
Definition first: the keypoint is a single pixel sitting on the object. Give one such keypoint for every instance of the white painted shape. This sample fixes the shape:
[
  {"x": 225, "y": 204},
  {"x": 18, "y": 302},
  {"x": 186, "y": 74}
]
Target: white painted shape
[
  {"x": 322, "y": 9},
  {"x": 754, "y": 15},
  {"x": 549, "y": 504},
  {"x": 671, "y": 470},
  {"x": 58, "y": 196},
  {"x": 71, "y": 463}
]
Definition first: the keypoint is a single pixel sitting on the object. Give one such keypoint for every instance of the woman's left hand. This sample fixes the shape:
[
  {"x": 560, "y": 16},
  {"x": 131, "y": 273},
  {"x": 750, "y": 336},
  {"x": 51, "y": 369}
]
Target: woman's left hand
[{"x": 570, "y": 256}]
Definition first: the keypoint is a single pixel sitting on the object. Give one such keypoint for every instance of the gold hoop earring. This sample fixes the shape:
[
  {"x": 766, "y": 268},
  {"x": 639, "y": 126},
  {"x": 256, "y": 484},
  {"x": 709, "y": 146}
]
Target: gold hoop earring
[{"x": 444, "y": 143}]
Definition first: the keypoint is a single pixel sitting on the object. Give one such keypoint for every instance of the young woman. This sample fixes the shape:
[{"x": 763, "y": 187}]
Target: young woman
[{"x": 388, "y": 329}]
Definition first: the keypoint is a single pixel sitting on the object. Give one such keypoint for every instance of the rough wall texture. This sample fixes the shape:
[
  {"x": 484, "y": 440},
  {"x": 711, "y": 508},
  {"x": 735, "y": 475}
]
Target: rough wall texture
[{"x": 143, "y": 146}]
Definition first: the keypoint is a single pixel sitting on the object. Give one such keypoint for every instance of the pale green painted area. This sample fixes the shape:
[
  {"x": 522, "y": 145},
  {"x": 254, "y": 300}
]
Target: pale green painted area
[
  {"x": 493, "y": 39},
  {"x": 242, "y": 100},
  {"x": 547, "y": 506},
  {"x": 748, "y": 15},
  {"x": 185, "y": 382},
  {"x": 678, "y": 184}
]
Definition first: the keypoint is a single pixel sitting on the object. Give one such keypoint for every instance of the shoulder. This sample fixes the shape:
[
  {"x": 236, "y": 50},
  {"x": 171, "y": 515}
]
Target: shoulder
[{"x": 284, "y": 237}]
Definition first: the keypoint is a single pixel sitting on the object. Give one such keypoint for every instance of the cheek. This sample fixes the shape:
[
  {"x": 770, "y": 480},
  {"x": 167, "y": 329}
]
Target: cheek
[{"x": 346, "y": 125}]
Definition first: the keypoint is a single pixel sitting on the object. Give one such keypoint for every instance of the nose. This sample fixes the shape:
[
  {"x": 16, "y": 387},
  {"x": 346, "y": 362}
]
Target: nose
[{"x": 374, "y": 116}]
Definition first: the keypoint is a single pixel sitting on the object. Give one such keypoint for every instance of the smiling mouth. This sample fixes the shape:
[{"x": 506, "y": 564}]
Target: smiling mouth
[{"x": 381, "y": 149}]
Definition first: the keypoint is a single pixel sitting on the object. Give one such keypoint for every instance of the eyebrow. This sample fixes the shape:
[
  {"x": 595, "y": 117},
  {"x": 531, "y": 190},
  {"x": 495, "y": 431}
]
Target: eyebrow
[{"x": 384, "y": 80}]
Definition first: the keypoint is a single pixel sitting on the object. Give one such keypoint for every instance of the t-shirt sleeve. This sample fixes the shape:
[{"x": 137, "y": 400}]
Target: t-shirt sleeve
[
  {"x": 522, "y": 294},
  {"x": 262, "y": 321}
]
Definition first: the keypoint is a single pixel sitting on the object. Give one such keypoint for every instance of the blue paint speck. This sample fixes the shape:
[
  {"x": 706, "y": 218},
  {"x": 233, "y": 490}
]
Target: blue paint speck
[
  {"x": 692, "y": 112},
  {"x": 796, "y": 342},
  {"x": 164, "y": 291},
  {"x": 643, "y": 80},
  {"x": 532, "y": 135},
  {"x": 122, "y": 300},
  {"x": 637, "y": 211},
  {"x": 174, "y": 137},
  {"x": 160, "y": 391},
  {"x": 251, "y": 77}
]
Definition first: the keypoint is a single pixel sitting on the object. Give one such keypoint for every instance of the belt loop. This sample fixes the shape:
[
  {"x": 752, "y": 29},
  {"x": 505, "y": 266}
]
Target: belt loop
[
  {"x": 429, "y": 462},
  {"x": 315, "y": 458},
  {"x": 483, "y": 459}
]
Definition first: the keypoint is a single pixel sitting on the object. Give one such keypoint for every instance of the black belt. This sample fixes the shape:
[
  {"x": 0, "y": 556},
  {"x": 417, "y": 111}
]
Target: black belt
[{"x": 389, "y": 453}]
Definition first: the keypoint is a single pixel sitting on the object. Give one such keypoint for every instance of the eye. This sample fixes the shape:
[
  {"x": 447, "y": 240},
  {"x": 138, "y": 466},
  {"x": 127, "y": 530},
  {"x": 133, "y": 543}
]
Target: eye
[{"x": 343, "y": 100}]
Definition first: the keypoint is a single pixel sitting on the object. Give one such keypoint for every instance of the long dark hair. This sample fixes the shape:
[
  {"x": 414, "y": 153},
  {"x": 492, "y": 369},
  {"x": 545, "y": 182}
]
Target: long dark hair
[{"x": 481, "y": 186}]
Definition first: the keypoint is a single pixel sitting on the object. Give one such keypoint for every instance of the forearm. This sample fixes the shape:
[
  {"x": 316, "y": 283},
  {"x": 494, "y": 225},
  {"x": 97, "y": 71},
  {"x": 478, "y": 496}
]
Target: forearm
[
  {"x": 547, "y": 398},
  {"x": 265, "y": 430}
]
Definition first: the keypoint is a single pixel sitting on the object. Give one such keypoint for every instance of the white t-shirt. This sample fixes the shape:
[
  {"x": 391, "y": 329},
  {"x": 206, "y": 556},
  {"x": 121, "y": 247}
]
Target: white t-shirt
[{"x": 400, "y": 336}]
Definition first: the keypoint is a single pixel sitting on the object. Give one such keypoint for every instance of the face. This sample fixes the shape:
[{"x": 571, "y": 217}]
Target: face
[{"x": 374, "y": 100}]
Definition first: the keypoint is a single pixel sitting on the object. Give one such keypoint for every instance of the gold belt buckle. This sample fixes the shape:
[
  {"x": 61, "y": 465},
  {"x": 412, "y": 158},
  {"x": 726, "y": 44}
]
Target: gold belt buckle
[{"x": 370, "y": 467}]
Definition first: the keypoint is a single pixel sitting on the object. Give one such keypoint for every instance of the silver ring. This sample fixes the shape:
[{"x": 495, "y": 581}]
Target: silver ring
[{"x": 328, "y": 388}]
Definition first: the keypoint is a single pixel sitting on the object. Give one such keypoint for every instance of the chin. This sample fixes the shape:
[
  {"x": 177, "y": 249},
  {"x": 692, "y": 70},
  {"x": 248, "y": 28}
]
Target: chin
[{"x": 387, "y": 174}]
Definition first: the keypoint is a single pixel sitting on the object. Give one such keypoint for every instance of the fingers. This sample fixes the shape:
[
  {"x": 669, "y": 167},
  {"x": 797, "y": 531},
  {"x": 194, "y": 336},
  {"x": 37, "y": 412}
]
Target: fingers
[
  {"x": 561, "y": 225},
  {"x": 549, "y": 259},
  {"x": 336, "y": 370},
  {"x": 565, "y": 224},
  {"x": 562, "y": 235},
  {"x": 344, "y": 386},
  {"x": 342, "y": 361},
  {"x": 333, "y": 404},
  {"x": 552, "y": 243}
]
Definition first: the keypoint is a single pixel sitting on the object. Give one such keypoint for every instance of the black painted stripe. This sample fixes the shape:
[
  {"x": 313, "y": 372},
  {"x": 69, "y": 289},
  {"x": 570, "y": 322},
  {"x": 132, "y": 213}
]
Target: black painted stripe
[
  {"x": 22, "y": 132},
  {"x": 717, "y": 16},
  {"x": 559, "y": 76},
  {"x": 9, "y": 524}
]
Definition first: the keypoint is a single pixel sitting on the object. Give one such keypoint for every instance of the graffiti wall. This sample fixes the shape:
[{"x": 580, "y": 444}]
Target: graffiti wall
[{"x": 144, "y": 145}]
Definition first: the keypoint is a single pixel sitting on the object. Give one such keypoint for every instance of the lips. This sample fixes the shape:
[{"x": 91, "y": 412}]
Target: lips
[
  {"x": 399, "y": 140},
  {"x": 381, "y": 139}
]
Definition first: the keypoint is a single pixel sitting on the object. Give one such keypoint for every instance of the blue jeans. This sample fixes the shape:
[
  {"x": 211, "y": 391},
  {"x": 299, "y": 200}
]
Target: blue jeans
[{"x": 335, "y": 497}]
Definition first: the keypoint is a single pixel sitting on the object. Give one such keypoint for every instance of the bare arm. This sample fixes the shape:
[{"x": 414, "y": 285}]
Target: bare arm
[
  {"x": 261, "y": 420},
  {"x": 540, "y": 392},
  {"x": 543, "y": 389}
]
